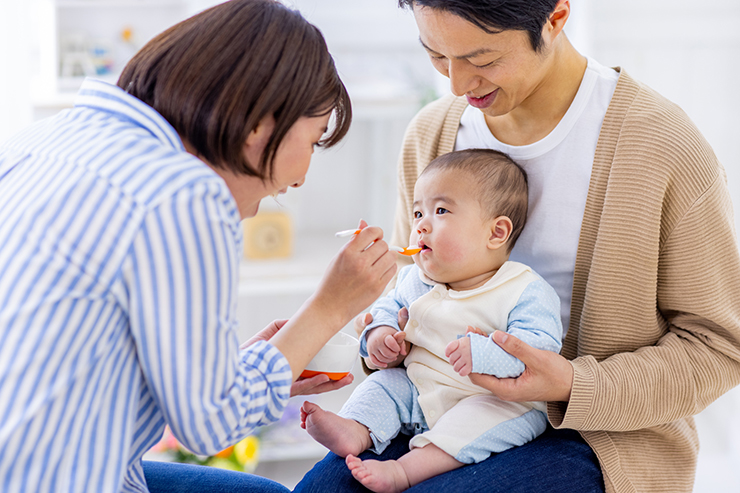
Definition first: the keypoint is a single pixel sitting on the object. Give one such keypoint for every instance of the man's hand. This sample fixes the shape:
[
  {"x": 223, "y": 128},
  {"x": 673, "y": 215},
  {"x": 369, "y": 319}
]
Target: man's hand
[
  {"x": 547, "y": 375},
  {"x": 460, "y": 356}
]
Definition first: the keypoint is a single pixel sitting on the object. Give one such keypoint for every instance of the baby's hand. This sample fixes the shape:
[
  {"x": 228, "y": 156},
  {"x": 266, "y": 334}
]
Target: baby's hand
[
  {"x": 385, "y": 344},
  {"x": 460, "y": 355}
]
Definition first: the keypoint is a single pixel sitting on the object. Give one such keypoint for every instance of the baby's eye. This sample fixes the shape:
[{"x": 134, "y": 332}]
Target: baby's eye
[
  {"x": 442, "y": 210},
  {"x": 417, "y": 214}
]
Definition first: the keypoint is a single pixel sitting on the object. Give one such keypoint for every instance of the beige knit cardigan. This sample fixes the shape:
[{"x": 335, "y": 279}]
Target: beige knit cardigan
[{"x": 654, "y": 335}]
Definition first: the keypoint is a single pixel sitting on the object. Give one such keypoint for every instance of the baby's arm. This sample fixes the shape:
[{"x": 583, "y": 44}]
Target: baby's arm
[
  {"x": 383, "y": 342},
  {"x": 534, "y": 320}
]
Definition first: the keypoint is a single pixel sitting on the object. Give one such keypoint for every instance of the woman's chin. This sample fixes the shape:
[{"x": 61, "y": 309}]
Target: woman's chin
[{"x": 250, "y": 211}]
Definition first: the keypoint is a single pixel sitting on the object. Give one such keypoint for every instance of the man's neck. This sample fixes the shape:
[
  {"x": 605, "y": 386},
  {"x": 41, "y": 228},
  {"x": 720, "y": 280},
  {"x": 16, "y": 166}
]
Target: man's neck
[{"x": 541, "y": 112}]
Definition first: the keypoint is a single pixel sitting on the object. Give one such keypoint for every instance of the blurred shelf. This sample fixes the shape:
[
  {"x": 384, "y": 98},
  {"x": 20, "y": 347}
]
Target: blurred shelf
[
  {"x": 299, "y": 273},
  {"x": 117, "y": 3}
]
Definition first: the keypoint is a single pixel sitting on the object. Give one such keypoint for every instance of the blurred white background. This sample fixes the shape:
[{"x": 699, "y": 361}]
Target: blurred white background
[{"x": 688, "y": 51}]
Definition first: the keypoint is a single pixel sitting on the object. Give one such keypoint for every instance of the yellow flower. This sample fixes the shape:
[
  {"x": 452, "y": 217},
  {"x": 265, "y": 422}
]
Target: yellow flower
[{"x": 247, "y": 453}]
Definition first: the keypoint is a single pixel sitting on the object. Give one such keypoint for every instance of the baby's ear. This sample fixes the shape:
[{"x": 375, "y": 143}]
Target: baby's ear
[{"x": 501, "y": 228}]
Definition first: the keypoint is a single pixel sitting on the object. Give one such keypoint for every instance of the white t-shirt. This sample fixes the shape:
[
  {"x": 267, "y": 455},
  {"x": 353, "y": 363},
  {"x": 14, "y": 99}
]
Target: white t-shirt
[{"x": 559, "y": 171}]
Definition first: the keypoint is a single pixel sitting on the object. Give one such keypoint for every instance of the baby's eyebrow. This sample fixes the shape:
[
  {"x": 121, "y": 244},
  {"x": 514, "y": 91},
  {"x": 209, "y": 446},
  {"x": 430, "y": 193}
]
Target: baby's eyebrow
[{"x": 438, "y": 198}]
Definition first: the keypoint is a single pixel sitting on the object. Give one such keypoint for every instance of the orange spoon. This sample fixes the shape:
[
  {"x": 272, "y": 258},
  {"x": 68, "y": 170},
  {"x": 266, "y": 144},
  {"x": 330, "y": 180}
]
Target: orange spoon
[{"x": 409, "y": 250}]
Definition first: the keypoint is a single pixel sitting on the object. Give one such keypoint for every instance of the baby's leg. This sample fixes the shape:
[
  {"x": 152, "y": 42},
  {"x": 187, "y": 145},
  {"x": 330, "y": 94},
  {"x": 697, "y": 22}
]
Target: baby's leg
[
  {"x": 340, "y": 435},
  {"x": 397, "y": 475}
]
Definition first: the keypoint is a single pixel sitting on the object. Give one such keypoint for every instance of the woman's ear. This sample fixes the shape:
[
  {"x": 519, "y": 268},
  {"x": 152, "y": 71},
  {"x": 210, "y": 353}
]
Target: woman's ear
[
  {"x": 257, "y": 140},
  {"x": 501, "y": 228}
]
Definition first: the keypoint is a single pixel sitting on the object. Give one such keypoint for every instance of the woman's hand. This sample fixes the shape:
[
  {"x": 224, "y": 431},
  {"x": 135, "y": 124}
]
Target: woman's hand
[
  {"x": 357, "y": 275},
  {"x": 547, "y": 375},
  {"x": 319, "y": 384},
  {"x": 264, "y": 334}
]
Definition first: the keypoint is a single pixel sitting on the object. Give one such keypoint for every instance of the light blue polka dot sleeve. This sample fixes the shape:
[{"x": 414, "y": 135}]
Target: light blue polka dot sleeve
[
  {"x": 535, "y": 320},
  {"x": 409, "y": 288}
]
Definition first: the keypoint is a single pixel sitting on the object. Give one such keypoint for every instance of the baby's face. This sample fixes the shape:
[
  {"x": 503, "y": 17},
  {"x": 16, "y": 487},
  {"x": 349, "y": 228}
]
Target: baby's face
[{"x": 450, "y": 228}]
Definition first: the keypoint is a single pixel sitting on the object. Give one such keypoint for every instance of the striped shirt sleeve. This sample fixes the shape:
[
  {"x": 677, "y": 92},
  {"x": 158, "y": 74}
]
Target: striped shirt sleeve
[{"x": 181, "y": 275}]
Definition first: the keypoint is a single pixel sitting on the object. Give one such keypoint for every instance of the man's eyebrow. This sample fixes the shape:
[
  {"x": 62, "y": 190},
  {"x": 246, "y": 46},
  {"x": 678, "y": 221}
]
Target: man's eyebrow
[{"x": 482, "y": 51}]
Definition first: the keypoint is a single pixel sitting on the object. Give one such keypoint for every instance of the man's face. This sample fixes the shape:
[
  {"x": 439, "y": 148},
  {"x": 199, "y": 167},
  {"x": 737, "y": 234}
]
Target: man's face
[{"x": 496, "y": 72}]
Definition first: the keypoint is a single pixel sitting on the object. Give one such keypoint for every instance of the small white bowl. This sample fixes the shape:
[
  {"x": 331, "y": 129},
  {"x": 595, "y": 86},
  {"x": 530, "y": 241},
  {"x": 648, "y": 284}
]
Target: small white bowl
[{"x": 336, "y": 358}]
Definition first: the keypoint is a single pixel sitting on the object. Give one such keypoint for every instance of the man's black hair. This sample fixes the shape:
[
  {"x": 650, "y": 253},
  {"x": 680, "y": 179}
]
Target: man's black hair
[{"x": 494, "y": 16}]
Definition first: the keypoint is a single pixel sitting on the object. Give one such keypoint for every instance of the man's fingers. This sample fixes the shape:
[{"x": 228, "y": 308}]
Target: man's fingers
[
  {"x": 512, "y": 345},
  {"x": 403, "y": 317}
]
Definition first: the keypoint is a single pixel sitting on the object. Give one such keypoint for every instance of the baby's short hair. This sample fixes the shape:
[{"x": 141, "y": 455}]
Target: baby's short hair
[{"x": 501, "y": 183}]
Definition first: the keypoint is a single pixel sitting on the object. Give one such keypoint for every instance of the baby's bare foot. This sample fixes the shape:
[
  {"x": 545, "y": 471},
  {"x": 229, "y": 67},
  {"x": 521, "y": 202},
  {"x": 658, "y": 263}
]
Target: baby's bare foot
[
  {"x": 340, "y": 435},
  {"x": 378, "y": 476}
]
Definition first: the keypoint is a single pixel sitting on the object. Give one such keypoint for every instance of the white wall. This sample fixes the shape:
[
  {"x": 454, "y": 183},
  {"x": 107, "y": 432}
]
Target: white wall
[
  {"x": 687, "y": 51},
  {"x": 16, "y": 65}
]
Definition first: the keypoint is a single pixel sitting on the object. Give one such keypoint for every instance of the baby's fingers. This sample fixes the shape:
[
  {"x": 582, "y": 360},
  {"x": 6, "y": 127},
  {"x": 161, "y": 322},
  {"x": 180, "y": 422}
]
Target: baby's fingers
[
  {"x": 476, "y": 330},
  {"x": 452, "y": 347},
  {"x": 392, "y": 344},
  {"x": 400, "y": 337}
]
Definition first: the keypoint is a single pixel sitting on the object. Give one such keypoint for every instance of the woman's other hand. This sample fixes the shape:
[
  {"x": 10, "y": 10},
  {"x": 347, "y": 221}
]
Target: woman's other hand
[
  {"x": 264, "y": 334},
  {"x": 319, "y": 384},
  {"x": 547, "y": 375}
]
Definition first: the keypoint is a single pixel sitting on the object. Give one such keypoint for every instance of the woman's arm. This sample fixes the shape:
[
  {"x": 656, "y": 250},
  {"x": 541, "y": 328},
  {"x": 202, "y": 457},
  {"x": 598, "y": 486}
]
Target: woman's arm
[
  {"x": 355, "y": 278},
  {"x": 181, "y": 279}
]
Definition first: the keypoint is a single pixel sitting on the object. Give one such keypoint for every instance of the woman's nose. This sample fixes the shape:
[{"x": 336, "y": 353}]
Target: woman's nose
[
  {"x": 299, "y": 183},
  {"x": 462, "y": 80}
]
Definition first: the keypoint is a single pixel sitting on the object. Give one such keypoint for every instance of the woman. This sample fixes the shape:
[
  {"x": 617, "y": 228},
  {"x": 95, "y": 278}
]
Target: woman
[
  {"x": 119, "y": 251},
  {"x": 630, "y": 220}
]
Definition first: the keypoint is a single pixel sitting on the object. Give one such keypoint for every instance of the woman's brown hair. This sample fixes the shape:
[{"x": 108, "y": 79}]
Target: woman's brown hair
[{"x": 216, "y": 75}]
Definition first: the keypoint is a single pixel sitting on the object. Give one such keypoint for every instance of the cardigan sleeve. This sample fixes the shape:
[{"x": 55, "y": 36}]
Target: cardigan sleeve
[{"x": 698, "y": 357}]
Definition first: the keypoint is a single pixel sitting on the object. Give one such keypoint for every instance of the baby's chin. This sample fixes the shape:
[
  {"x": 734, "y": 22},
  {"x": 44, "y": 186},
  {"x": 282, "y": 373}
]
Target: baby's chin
[{"x": 439, "y": 279}]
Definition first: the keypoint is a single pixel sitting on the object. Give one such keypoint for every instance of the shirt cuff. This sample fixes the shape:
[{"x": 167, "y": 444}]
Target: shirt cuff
[
  {"x": 268, "y": 361},
  {"x": 574, "y": 413}
]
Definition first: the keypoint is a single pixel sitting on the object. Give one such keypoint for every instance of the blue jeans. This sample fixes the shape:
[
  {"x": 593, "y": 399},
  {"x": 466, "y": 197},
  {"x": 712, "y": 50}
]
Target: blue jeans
[
  {"x": 169, "y": 477},
  {"x": 556, "y": 461}
]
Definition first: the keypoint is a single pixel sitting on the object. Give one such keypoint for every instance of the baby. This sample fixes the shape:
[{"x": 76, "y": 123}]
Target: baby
[{"x": 469, "y": 209}]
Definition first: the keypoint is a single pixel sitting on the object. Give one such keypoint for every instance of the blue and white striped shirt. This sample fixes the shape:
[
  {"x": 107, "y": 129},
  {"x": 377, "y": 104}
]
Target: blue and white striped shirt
[{"x": 119, "y": 261}]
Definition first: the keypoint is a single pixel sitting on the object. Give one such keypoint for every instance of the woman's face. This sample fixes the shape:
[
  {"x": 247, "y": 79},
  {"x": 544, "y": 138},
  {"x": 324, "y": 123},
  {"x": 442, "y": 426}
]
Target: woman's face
[
  {"x": 496, "y": 72},
  {"x": 291, "y": 163}
]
